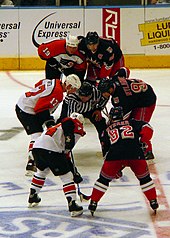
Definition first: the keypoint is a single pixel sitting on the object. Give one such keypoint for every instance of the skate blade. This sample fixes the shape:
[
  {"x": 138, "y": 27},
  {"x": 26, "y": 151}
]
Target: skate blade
[
  {"x": 34, "y": 204},
  {"x": 29, "y": 173},
  {"x": 92, "y": 213},
  {"x": 76, "y": 213}
]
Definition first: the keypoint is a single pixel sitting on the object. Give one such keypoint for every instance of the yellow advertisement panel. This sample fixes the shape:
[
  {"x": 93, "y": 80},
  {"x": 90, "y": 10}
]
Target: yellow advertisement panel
[{"x": 155, "y": 32}]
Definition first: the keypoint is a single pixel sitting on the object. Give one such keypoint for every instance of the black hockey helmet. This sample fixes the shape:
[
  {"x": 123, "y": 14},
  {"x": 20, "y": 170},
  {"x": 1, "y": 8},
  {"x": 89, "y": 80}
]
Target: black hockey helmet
[
  {"x": 92, "y": 38},
  {"x": 86, "y": 89},
  {"x": 116, "y": 113},
  {"x": 123, "y": 72},
  {"x": 105, "y": 84}
]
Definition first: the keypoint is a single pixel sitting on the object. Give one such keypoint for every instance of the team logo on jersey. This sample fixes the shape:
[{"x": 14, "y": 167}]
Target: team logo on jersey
[
  {"x": 116, "y": 100},
  {"x": 109, "y": 49},
  {"x": 50, "y": 28},
  {"x": 100, "y": 56}
]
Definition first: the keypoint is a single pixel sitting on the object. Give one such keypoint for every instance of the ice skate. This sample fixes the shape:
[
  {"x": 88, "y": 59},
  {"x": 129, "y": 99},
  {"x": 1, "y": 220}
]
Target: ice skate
[
  {"x": 74, "y": 209},
  {"x": 34, "y": 199},
  {"x": 92, "y": 207},
  {"x": 154, "y": 205},
  {"x": 30, "y": 167}
]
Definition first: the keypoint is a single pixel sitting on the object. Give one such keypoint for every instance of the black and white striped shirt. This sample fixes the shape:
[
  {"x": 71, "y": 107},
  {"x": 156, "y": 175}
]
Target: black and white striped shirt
[{"x": 72, "y": 103}]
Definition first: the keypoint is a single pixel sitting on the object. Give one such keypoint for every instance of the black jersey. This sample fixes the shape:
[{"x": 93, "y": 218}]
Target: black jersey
[
  {"x": 131, "y": 94},
  {"x": 108, "y": 53},
  {"x": 122, "y": 138}
]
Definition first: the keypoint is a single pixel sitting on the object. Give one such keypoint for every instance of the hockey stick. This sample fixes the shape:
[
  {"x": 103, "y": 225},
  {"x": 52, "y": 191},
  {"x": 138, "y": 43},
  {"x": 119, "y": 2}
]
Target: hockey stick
[{"x": 81, "y": 195}]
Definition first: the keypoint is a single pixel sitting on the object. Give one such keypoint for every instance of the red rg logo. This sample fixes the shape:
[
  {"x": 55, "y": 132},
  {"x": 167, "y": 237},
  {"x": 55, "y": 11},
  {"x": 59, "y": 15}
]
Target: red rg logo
[{"x": 111, "y": 23}]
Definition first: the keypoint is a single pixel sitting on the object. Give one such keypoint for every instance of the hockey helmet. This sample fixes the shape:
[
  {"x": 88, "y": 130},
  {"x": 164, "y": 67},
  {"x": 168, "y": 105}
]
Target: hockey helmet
[
  {"x": 73, "y": 80},
  {"x": 72, "y": 41},
  {"x": 116, "y": 113},
  {"x": 105, "y": 84},
  {"x": 78, "y": 116},
  {"x": 86, "y": 89},
  {"x": 123, "y": 72},
  {"x": 92, "y": 38}
]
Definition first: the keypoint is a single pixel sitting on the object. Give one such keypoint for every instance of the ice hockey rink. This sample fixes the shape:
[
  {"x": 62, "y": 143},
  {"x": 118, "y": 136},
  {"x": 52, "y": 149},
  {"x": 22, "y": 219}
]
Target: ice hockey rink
[{"x": 122, "y": 213}]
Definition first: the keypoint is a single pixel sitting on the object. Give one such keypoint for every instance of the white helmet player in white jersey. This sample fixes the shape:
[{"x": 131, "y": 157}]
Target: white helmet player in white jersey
[{"x": 73, "y": 80}]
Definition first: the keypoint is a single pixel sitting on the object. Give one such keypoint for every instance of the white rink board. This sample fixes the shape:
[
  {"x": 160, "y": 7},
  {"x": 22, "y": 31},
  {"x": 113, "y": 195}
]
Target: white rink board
[{"x": 16, "y": 40}]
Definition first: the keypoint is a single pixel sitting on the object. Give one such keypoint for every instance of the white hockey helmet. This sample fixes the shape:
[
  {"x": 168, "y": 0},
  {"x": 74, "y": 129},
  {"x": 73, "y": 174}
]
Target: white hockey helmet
[
  {"x": 72, "y": 41},
  {"x": 78, "y": 116},
  {"x": 73, "y": 80}
]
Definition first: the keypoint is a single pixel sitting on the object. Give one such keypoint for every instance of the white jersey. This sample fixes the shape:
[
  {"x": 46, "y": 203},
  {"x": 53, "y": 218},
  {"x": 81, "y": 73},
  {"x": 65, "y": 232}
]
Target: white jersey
[
  {"x": 46, "y": 95},
  {"x": 53, "y": 139}
]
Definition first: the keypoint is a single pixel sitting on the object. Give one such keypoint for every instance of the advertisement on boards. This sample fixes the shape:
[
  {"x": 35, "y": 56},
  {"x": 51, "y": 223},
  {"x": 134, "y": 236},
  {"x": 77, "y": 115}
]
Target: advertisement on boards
[
  {"x": 111, "y": 23},
  {"x": 54, "y": 27},
  {"x": 156, "y": 32},
  {"x": 139, "y": 31},
  {"x": 106, "y": 22},
  {"x": 10, "y": 27},
  {"x": 146, "y": 32},
  {"x": 48, "y": 25}
]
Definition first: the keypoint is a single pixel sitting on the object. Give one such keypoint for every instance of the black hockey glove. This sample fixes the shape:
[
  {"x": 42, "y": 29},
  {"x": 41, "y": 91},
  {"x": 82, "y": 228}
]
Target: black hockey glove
[
  {"x": 69, "y": 142},
  {"x": 50, "y": 122},
  {"x": 53, "y": 63},
  {"x": 77, "y": 177}
]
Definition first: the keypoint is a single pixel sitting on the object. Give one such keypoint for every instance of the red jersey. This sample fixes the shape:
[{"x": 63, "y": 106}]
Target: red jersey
[{"x": 57, "y": 49}]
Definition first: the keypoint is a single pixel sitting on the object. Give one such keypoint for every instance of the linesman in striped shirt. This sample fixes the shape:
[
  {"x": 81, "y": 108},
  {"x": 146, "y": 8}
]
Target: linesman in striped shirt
[{"x": 88, "y": 101}]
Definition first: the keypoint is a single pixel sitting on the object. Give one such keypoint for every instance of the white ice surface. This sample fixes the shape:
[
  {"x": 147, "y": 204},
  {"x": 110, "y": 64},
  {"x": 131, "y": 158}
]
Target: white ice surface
[{"x": 122, "y": 212}]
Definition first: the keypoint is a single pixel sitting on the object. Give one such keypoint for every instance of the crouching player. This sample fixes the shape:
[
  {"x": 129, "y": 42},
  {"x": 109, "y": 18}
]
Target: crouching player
[
  {"x": 49, "y": 155},
  {"x": 123, "y": 140}
]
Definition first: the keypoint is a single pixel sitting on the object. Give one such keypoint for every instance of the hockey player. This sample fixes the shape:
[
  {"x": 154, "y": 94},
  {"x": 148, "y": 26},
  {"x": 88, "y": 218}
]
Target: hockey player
[
  {"x": 123, "y": 138},
  {"x": 49, "y": 154},
  {"x": 34, "y": 108},
  {"x": 89, "y": 102},
  {"x": 104, "y": 56},
  {"x": 135, "y": 96},
  {"x": 63, "y": 57}
]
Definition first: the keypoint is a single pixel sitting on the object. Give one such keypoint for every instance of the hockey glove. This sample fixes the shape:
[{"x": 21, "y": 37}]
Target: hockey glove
[
  {"x": 77, "y": 177},
  {"x": 50, "y": 122},
  {"x": 97, "y": 115},
  {"x": 52, "y": 63},
  {"x": 69, "y": 142}
]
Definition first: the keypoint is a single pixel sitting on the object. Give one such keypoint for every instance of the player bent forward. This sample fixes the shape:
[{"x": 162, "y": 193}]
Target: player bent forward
[
  {"x": 49, "y": 154},
  {"x": 122, "y": 142},
  {"x": 35, "y": 109}
]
